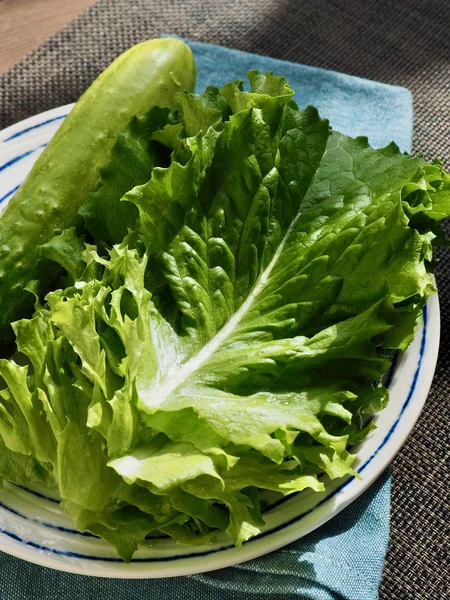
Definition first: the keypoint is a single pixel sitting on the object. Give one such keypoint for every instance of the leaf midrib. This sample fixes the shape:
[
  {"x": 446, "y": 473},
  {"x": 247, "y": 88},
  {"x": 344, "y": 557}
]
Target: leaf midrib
[{"x": 156, "y": 395}]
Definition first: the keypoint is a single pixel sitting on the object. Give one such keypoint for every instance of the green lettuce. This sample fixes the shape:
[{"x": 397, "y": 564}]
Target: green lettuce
[
  {"x": 135, "y": 154},
  {"x": 228, "y": 334}
]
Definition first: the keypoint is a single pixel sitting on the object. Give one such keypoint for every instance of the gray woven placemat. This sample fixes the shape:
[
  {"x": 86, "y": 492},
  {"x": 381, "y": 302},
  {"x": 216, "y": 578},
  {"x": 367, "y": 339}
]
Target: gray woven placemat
[{"x": 405, "y": 43}]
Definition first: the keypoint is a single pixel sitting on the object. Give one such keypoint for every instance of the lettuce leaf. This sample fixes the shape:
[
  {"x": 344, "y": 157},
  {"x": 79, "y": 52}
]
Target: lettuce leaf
[
  {"x": 134, "y": 156},
  {"x": 234, "y": 340}
]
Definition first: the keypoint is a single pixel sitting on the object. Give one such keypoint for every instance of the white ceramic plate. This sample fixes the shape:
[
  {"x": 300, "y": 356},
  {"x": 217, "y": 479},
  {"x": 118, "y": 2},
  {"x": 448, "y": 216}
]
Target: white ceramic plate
[{"x": 33, "y": 527}]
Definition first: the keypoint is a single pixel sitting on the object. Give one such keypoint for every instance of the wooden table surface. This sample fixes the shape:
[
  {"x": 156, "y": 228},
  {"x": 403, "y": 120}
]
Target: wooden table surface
[{"x": 25, "y": 24}]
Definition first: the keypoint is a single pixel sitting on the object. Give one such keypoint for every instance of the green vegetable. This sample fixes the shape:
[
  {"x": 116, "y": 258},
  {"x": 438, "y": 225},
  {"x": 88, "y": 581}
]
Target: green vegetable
[
  {"x": 134, "y": 156},
  {"x": 234, "y": 343},
  {"x": 68, "y": 170}
]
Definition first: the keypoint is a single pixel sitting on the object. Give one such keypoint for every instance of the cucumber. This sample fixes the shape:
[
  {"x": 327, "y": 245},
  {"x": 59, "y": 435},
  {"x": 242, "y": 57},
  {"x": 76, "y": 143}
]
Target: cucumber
[{"x": 148, "y": 74}]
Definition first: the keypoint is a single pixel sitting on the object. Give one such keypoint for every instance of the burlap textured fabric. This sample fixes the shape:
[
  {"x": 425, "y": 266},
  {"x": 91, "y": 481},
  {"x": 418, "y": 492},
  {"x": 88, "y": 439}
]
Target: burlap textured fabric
[{"x": 405, "y": 43}]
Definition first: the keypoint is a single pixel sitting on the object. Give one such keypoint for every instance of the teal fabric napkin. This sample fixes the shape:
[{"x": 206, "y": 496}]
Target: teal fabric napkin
[{"x": 344, "y": 558}]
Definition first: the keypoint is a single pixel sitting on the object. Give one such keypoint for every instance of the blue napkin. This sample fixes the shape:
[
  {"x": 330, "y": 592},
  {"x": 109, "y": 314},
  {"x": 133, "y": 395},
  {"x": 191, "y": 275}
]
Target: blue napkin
[{"x": 344, "y": 558}]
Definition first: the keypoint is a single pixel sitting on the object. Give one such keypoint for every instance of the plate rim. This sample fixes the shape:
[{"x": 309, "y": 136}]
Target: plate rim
[{"x": 16, "y": 130}]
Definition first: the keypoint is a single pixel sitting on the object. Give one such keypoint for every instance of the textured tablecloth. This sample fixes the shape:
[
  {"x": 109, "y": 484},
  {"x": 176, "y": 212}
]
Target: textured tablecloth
[{"x": 405, "y": 43}]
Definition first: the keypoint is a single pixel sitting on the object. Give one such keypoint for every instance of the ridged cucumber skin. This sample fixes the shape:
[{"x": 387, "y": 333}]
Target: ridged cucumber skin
[{"x": 148, "y": 74}]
